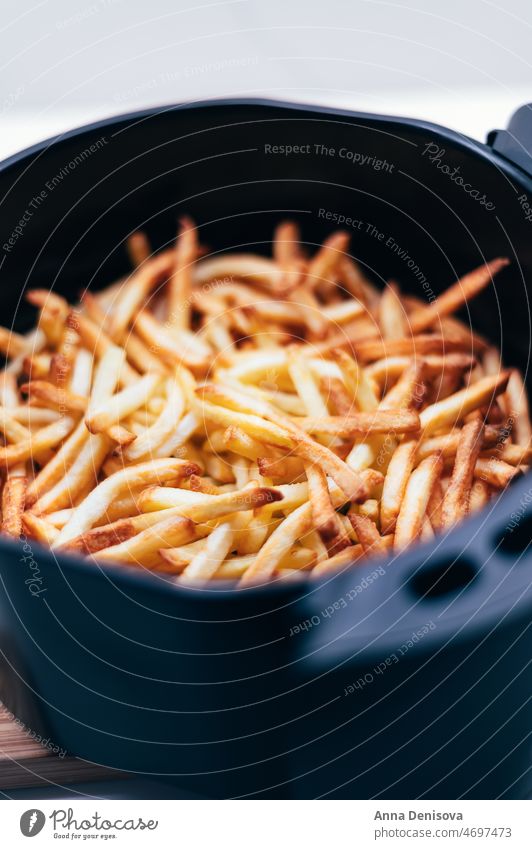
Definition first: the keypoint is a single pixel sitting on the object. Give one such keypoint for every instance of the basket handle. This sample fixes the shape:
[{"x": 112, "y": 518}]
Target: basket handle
[{"x": 515, "y": 143}]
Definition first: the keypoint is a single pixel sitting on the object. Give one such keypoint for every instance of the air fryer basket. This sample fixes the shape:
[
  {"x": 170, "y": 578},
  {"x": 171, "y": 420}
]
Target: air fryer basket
[{"x": 399, "y": 680}]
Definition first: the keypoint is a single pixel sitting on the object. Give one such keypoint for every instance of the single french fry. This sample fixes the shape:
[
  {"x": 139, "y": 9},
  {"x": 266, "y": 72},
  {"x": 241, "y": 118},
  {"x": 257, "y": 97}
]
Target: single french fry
[
  {"x": 13, "y": 498},
  {"x": 456, "y": 295},
  {"x": 367, "y": 534},
  {"x": 181, "y": 281},
  {"x": 416, "y": 498},
  {"x": 517, "y": 404},
  {"x": 451, "y": 410},
  {"x": 54, "y": 396},
  {"x": 136, "y": 289},
  {"x": 495, "y": 472},
  {"x": 393, "y": 320},
  {"x": 39, "y": 529},
  {"x": 344, "y": 559},
  {"x": 282, "y": 539},
  {"x": 207, "y": 562},
  {"x": 360, "y": 424},
  {"x": 207, "y": 507},
  {"x": 456, "y": 501},
  {"x": 391, "y": 368},
  {"x": 395, "y": 482},
  {"x": 435, "y": 505},
  {"x": 325, "y": 519},
  {"x": 248, "y": 267},
  {"x": 138, "y": 248}
]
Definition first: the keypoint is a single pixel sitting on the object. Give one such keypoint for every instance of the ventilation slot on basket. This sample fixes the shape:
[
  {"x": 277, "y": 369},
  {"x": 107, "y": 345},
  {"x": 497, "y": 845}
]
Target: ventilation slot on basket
[
  {"x": 517, "y": 537},
  {"x": 443, "y": 579}
]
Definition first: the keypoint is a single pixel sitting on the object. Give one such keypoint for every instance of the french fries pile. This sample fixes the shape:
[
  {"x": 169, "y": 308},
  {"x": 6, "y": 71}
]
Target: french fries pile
[{"x": 242, "y": 418}]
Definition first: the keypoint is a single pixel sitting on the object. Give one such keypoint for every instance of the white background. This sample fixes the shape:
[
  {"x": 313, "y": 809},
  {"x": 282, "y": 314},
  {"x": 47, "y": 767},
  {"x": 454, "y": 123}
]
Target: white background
[{"x": 463, "y": 63}]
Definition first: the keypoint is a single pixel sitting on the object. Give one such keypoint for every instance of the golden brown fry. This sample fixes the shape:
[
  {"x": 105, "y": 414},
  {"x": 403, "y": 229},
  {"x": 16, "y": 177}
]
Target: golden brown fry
[
  {"x": 395, "y": 482},
  {"x": 143, "y": 549},
  {"x": 368, "y": 534},
  {"x": 325, "y": 519},
  {"x": 360, "y": 424},
  {"x": 518, "y": 410},
  {"x": 13, "y": 498},
  {"x": 39, "y": 529},
  {"x": 456, "y": 501},
  {"x": 416, "y": 498},
  {"x": 450, "y": 411},
  {"x": 181, "y": 281},
  {"x": 344, "y": 559},
  {"x": 138, "y": 248},
  {"x": 456, "y": 295}
]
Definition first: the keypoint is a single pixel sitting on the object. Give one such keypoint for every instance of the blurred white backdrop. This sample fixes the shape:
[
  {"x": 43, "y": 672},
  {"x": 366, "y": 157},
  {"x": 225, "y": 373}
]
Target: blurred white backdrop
[{"x": 67, "y": 62}]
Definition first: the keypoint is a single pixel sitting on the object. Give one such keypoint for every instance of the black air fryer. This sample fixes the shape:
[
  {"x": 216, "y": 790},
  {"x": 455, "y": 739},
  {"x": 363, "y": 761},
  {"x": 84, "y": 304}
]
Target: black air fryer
[{"x": 401, "y": 679}]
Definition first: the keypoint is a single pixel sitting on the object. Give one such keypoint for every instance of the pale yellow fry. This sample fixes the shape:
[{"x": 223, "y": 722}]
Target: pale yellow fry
[
  {"x": 115, "y": 409},
  {"x": 397, "y": 475},
  {"x": 208, "y": 561},
  {"x": 393, "y": 320},
  {"x": 207, "y": 507},
  {"x": 249, "y": 267},
  {"x": 162, "y": 428},
  {"x": 282, "y": 539},
  {"x": 39, "y": 529},
  {"x": 136, "y": 289},
  {"x": 416, "y": 498}
]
